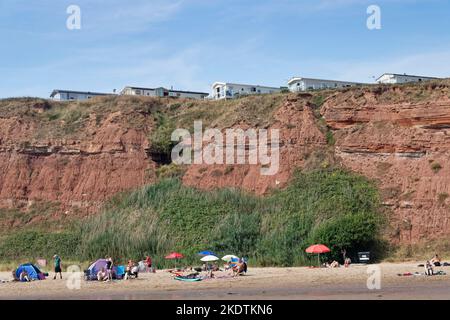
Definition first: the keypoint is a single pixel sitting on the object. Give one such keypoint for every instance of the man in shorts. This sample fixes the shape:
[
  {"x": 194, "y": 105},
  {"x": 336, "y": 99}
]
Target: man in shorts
[{"x": 57, "y": 264}]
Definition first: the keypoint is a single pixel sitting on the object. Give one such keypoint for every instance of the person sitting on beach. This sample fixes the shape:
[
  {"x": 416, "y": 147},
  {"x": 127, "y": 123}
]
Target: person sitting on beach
[
  {"x": 215, "y": 267},
  {"x": 102, "y": 275},
  {"x": 334, "y": 264},
  {"x": 23, "y": 277},
  {"x": 211, "y": 274},
  {"x": 429, "y": 271},
  {"x": 436, "y": 261},
  {"x": 132, "y": 270},
  {"x": 239, "y": 269},
  {"x": 244, "y": 265},
  {"x": 347, "y": 262}
]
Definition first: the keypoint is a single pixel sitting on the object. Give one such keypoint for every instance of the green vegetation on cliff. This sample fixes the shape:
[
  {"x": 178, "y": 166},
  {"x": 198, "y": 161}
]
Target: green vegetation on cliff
[{"x": 334, "y": 207}]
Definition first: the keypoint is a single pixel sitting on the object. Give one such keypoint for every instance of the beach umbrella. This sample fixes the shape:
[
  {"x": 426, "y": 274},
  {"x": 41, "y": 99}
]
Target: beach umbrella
[
  {"x": 229, "y": 258},
  {"x": 318, "y": 249},
  {"x": 206, "y": 253},
  {"x": 174, "y": 256},
  {"x": 209, "y": 258}
]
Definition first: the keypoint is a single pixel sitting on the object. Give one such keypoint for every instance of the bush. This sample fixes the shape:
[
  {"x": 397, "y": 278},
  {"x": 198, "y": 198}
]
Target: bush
[
  {"x": 161, "y": 143},
  {"x": 34, "y": 244},
  {"x": 330, "y": 138},
  {"x": 170, "y": 171},
  {"x": 436, "y": 167},
  {"x": 353, "y": 233},
  {"x": 334, "y": 207}
]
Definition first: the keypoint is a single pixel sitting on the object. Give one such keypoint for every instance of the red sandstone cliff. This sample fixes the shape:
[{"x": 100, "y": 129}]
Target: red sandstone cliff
[
  {"x": 397, "y": 135},
  {"x": 80, "y": 168}
]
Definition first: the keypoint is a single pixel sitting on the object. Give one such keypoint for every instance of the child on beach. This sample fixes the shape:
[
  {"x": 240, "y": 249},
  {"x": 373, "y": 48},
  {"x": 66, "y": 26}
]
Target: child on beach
[
  {"x": 102, "y": 275},
  {"x": 57, "y": 264},
  {"x": 429, "y": 269}
]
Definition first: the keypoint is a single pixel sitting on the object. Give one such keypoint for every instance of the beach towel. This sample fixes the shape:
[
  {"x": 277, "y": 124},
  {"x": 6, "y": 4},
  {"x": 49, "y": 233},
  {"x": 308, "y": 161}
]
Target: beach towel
[{"x": 181, "y": 278}]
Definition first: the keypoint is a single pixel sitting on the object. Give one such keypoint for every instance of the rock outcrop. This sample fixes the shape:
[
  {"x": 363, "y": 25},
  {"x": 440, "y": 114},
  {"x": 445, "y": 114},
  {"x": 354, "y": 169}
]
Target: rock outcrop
[{"x": 79, "y": 155}]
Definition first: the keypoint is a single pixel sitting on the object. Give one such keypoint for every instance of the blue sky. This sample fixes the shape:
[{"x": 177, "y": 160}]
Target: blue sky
[{"x": 189, "y": 44}]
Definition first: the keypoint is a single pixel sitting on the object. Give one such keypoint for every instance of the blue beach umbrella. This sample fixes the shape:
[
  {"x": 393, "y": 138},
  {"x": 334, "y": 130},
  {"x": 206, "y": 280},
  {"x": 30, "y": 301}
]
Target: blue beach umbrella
[{"x": 206, "y": 253}]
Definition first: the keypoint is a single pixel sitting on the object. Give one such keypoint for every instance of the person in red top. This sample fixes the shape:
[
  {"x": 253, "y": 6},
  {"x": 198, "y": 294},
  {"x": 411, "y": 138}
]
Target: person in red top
[{"x": 148, "y": 263}]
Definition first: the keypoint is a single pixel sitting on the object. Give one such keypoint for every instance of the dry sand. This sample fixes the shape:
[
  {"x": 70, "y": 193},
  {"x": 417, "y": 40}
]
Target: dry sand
[{"x": 260, "y": 283}]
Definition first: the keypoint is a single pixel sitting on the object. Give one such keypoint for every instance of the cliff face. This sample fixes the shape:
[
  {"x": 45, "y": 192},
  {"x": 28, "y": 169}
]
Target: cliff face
[
  {"x": 76, "y": 158},
  {"x": 300, "y": 137},
  {"x": 80, "y": 154},
  {"x": 400, "y": 137}
]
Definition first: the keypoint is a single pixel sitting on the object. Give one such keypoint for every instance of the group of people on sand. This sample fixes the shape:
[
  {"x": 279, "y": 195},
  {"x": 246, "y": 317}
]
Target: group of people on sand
[
  {"x": 106, "y": 272},
  {"x": 23, "y": 275},
  {"x": 131, "y": 269},
  {"x": 235, "y": 268},
  {"x": 335, "y": 264}
]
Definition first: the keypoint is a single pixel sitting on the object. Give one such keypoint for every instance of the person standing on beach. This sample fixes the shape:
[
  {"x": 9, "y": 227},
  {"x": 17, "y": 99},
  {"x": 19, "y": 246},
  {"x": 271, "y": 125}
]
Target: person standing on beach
[
  {"x": 109, "y": 267},
  {"x": 148, "y": 263},
  {"x": 57, "y": 264}
]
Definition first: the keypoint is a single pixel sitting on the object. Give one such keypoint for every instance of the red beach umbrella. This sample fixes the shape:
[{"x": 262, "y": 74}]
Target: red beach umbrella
[
  {"x": 318, "y": 249},
  {"x": 174, "y": 255}
]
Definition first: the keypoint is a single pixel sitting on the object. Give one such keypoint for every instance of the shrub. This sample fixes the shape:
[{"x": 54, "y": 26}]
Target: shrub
[
  {"x": 330, "y": 138},
  {"x": 161, "y": 143},
  {"x": 318, "y": 101},
  {"x": 436, "y": 167},
  {"x": 332, "y": 206},
  {"x": 170, "y": 171},
  {"x": 33, "y": 244}
]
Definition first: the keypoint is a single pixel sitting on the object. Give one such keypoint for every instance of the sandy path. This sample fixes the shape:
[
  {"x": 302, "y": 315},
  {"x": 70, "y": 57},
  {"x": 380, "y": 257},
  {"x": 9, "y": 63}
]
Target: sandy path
[{"x": 260, "y": 283}]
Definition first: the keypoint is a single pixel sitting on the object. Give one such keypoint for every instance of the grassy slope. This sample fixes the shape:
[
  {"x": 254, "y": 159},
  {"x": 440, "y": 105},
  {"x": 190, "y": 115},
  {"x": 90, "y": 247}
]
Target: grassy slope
[{"x": 168, "y": 217}]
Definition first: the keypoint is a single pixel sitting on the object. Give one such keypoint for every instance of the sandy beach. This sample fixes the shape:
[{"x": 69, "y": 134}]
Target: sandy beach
[{"x": 259, "y": 283}]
